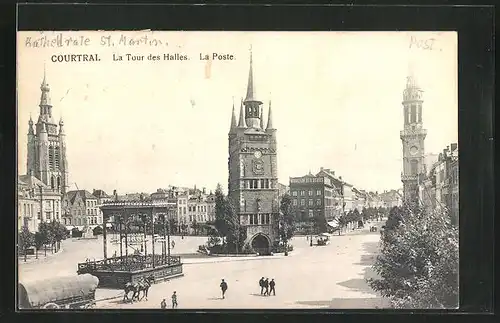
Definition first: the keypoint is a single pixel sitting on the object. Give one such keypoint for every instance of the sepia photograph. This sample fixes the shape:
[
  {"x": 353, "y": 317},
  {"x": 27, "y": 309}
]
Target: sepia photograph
[{"x": 237, "y": 170}]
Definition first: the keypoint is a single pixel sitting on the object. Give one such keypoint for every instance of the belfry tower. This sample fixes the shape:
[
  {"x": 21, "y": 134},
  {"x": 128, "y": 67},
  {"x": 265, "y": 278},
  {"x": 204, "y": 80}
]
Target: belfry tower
[
  {"x": 253, "y": 172},
  {"x": 412, "y": 137},
  {"x": 47, "y": 146}
]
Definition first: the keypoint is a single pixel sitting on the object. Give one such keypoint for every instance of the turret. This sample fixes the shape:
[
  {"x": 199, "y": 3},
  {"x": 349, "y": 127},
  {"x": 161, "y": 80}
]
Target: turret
[
  {"x": 242, "y": 123},
  {"x": 252, "y": 105},
  {"x": 30, "y": 166},
  {"x": 232, "y": 130},
  {"x": 270, "y": 119}
]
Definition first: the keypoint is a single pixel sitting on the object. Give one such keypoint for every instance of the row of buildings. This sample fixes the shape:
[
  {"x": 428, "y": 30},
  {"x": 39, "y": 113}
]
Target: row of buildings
[
  {"x": 438, "y": 189},
  {"x": 325, "y": 195}
]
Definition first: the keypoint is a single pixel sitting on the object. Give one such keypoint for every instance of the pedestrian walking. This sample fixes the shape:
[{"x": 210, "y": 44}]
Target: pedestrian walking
[
  {"x": 174, "y": 300},
  {"x": 266, "y": 286},
  {"x": 223, "y": 287},
  {"x": 163, "y": 304},
  {"x": 261, "y": 284},
  {"x": 173, "y": 244},
  {"x": 272, "y": 283}
]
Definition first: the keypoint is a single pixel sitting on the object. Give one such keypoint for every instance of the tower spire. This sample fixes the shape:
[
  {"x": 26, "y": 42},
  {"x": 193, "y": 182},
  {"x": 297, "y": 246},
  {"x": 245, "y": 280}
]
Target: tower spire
[
  {"x": 242, "y": 123},
  {"x": 270, "y": 118},
  {"x": 233, "y": 120},
  {"x": 251, "y": 91},
  {"x": 44, "y": 87}
]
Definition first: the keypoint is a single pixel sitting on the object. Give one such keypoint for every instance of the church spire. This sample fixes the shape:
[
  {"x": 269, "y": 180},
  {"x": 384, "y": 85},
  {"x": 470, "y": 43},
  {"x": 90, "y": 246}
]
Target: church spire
[
  {"x": 251, "y": 91},
  {"x": 242, "y": 123},
  {"x": 233, "y": 120},
  {"x": 270, "y": 118},
  {"x": 44, "y": 87}
]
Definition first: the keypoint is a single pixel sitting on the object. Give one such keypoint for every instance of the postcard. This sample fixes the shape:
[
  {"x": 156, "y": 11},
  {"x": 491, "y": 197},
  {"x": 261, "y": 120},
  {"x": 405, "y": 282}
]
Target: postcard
[{"x": 237, "y": 170}]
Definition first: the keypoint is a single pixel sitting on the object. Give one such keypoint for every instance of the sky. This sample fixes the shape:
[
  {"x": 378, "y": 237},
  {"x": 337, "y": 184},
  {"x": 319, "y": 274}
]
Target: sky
[{"x": 136, "y": 126}]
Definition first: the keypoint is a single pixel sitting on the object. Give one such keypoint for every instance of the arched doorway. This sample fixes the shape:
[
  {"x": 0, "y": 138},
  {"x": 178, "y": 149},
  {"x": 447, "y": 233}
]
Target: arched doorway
[{"x": 260, "y": 243}]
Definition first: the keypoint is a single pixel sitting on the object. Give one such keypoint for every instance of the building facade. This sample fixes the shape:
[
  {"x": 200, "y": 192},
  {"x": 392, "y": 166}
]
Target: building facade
[
  {"x": 343, "y": 194},
  {"x": 81, "y": 209},
  {"x": 46, "y": 158},
  {"x": 440, "y": 189},
  {"x": 47, "y": 207},
  {"x": 313, "y": 197},
  {"x": 27, "y": 207},
  {"x": 412, "y": 137},
  {"x": 253, "y": 171}
]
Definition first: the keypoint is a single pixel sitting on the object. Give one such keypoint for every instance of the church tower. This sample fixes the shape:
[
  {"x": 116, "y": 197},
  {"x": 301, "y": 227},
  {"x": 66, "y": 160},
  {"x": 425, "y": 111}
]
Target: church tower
[
  {"x": 253, "y": 172},
  {"x": 412, "y": 137},
  {"x": 47, "y": 147}
]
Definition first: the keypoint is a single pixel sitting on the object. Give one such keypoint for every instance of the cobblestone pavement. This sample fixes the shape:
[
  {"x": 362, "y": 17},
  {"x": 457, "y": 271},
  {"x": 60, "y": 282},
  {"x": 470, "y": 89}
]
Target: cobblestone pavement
[{"x": 331, "y": 276}]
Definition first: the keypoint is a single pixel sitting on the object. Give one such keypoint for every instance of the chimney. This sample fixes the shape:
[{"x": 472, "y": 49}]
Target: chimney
[
  {"x": 204, "y": 190},
  {"x": 93, "y": 191},
  {"x": 454, "y": 147},
  {"x": 321, "y": 169}
]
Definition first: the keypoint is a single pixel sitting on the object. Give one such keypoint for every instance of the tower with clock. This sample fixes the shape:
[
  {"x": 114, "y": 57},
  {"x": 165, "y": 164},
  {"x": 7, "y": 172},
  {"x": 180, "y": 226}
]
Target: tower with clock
[
  {"x": 412, "y": 137},
  {"x": 253, "y": 172}
]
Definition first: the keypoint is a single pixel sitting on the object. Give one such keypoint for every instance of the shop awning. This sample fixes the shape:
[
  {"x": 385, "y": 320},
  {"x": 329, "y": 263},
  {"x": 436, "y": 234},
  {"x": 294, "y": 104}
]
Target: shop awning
[
  {"x": 109, "y": 225},
  {"x": 69, "y": 227}
]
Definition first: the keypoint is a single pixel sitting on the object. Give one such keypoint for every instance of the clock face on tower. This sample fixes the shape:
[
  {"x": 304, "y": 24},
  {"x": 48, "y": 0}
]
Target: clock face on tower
[
  {"x": 413, "y": 150},
  {"x": 257, "y": 154}
]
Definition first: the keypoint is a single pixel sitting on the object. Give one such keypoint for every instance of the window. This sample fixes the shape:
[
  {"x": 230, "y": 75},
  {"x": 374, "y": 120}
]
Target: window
[
  {"x": 294, "y": 193},
  {"x": 254, "y": 183},
  {"x": 318, "y": 192},
  {"x": 57, "y": 215},
  {"x": 294, "y": 202},
  {"x": 311, "y": 213},
  {"x": 302, "y": 202},
  {"x": 310, "y": 192},
  {"x": 311, "y": 201},
  {"x": 302, "y": 193},
  {"x": 414, "y": 167},
  {"x": 413, "y": 114},
  {"x": 318, "y": 202}
]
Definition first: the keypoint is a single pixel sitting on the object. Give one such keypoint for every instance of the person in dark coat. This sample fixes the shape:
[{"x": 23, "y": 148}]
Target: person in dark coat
[
  {"x": 174, "y": 300},
  {"x": 261, "y": 284},
  {"x": 223, "y": 287},
  {"x": 163, "y": 304},
  {"x": 266, "y": 286},
  {"x": 272, "y": 284}
]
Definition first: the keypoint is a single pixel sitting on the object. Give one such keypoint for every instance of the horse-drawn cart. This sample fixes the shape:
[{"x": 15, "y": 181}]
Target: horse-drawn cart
[{"x": 74, "y": 292}]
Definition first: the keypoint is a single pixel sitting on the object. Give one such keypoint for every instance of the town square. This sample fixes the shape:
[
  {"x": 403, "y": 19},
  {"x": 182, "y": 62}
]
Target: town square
[{"x": 218, "y": 196}]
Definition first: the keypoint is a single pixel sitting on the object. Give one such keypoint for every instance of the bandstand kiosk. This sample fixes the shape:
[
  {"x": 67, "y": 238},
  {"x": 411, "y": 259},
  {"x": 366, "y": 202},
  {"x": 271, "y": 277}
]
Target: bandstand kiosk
[{"x": 138, "y": 228}]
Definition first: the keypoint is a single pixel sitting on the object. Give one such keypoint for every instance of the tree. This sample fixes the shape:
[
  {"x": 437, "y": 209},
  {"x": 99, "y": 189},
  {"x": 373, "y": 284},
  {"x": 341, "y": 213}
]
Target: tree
[
  {"x": 59, "y": 231},
  {"x": 26, "y": 239},
  {"x": 47, "y": 234},
  {"x": 286, "y": 221},
  {"x": 418, "y": 264},
  {"x": 38, "y": 243},
  {"x": 220, "y": 213},
  {"x": 195, "y": 226}
]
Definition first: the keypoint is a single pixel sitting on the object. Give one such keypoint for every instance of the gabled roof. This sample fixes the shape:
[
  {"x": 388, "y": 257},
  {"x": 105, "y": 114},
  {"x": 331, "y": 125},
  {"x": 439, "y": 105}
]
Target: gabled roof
[
  {"x": 84, "y": 194},
  {"x": 100, "y": 193},
  {"x": 32, "y": 181}
]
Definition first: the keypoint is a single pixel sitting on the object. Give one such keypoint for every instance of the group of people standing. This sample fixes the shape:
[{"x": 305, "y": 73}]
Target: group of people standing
[{"x": 267, "y": 287}]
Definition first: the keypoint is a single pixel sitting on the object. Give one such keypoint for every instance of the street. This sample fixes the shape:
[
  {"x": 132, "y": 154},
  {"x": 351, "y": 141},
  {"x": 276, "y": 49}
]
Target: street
[{"x": 331, "y": 276}]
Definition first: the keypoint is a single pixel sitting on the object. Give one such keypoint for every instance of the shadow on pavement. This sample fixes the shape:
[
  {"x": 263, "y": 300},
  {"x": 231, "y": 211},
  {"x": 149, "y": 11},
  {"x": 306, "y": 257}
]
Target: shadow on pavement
[
  {"x": 371, "y": 249},
  {"x": 258, "y": 295},
  {"x": 348, "y": 303},
  {"x": 214, "y": 298}
]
